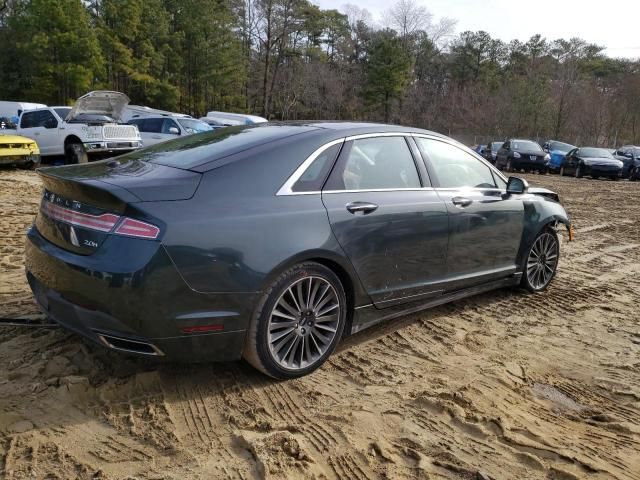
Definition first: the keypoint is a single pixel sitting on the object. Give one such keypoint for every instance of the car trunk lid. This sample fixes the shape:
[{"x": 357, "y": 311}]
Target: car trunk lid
[{"x": 83, "y": 204}]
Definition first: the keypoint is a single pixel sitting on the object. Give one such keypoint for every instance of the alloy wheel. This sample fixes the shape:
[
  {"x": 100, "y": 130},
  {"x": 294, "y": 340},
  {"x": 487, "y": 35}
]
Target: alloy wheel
[
  {"x": 303, "y": 323},
  {"x": 542, "y": 261}
]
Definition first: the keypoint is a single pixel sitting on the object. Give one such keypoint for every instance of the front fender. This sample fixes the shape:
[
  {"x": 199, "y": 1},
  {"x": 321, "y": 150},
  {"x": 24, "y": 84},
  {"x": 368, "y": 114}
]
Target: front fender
[{"x": 541, "y": 212}]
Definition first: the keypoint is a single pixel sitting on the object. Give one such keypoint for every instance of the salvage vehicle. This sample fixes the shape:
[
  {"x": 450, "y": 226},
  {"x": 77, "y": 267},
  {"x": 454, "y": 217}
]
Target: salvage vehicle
[
  {"x": 156, "y": 129},
  {"x": 629, "y": 155},
  {"x": 524, "y": 155},
  {"x": 18, "y": 151},
  {"x": 272, "y": 242},
  {"x": 591, "y": 161},
  {"x": 491, "y": 151},
  {"x": 88, "y": 130},
  {"x": 557, "y": 153}
]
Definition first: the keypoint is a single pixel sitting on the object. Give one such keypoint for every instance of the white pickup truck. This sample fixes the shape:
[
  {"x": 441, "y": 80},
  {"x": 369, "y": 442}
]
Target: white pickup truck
[{"x": 88, "y": 130}]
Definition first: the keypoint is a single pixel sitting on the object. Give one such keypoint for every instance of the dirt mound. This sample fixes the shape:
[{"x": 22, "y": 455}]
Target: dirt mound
[{"x": 505, "y": 385}]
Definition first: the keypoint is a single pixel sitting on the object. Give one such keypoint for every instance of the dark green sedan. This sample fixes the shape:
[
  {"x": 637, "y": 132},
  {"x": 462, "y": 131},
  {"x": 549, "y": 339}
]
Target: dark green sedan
[{"x": 272, "y": 242}]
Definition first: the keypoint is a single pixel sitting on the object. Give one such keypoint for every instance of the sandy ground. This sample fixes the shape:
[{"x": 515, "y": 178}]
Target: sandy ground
[{"x": 505, "y": 385}]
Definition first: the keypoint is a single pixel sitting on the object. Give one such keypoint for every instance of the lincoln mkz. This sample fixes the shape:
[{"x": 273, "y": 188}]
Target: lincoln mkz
[{"x": 273, "y": 242}]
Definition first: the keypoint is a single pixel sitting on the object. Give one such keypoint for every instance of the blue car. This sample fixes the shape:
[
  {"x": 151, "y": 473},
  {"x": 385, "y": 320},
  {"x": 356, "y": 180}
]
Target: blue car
[{"x": 557, "y": 152}]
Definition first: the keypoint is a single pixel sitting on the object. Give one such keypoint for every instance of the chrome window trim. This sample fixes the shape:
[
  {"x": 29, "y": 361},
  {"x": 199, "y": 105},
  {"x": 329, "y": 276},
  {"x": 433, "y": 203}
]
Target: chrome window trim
[
  {"x": 286, "y": 188},
  {"x": 464, "y": 148},
  {"x": 421, "y": 189}
]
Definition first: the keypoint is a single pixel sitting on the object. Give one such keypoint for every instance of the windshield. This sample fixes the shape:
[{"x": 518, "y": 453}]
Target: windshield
[
  {"x": 526, "y": 145},
  {"x": 495, "y": 146},
  {"x": 562, "y": 147},
  {"x": 62, "y": 112},
  {"x": 194, "y": 126},
  {"x": 595, "y": 153}
]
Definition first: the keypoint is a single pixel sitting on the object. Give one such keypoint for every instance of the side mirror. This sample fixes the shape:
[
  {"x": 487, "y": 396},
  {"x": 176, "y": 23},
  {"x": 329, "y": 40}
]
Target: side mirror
[
  {"x": 174, "y": 131},
  {"x": 517, "y": 186},
  {"x": 628, "y": 155}
]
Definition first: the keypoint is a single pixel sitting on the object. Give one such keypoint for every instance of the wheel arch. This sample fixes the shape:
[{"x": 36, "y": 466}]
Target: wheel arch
[
  {"x": 539, "y": 215},
  {"x": 71, "y": 139},
  {"x": 340, "y": 266}
]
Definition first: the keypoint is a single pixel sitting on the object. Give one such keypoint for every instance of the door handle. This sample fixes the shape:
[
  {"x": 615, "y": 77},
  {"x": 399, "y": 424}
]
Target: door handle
[
  {"x": 361, "y": 207},
  {"x": 461, "y": 201}
]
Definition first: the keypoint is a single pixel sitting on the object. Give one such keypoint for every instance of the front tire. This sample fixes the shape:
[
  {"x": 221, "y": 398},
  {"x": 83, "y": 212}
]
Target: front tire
[
  {"x": 579, "y": 171},
  {"x": 75, "y": 153},
  {"x": 298, "y": 322},
  {"x": 541, "y": 262},
  {"x": 562, "y": 171}
]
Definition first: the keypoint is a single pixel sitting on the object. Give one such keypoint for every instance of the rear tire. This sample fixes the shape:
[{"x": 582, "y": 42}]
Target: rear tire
[
  {"x": 75, "y": 153},
  {"x": 298, "y": 322},
  {"x": 509, "y": 166},
  {"x": 541, "y": 262}
]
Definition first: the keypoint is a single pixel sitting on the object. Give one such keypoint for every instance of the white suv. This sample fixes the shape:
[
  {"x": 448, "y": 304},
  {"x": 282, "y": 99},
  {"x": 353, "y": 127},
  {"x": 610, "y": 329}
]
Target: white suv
[
  {"x": 89, "y": 129},
  {"x": 160, "y": 128}
]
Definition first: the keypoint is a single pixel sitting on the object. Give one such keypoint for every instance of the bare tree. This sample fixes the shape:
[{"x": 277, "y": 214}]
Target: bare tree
[{"x": 407, "y": 17}]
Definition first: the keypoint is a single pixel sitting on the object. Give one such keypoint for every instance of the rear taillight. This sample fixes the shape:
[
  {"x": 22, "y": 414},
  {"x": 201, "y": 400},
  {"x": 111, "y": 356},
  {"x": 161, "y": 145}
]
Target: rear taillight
[
  {"x": 102, "y": 223},
  {"x": 106, "y": 222},
  {"x": 136, "y": 228}
]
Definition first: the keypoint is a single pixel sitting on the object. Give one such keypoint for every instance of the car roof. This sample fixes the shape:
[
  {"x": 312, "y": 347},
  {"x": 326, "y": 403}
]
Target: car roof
[{"x": 204, "y": 151}]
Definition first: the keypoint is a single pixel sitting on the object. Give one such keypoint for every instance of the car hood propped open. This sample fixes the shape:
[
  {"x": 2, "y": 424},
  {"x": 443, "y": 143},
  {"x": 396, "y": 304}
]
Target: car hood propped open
[{"x": 100, "y": 102}]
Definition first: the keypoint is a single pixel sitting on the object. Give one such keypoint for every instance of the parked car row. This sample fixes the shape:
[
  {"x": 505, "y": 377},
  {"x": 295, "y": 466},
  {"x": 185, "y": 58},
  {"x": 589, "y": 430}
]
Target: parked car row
[
  {"x": 100, "y": 124},
  {"x": 563, "y": 158}
]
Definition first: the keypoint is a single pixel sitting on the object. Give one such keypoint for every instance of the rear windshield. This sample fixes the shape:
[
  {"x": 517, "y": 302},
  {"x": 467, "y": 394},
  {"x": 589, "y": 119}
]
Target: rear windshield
[
  {"x": 595, "y": 153},
  {"x": 560, "y": 146},
  {"x": 526, "y": 145},
  {"x": 193, "y": 150}
]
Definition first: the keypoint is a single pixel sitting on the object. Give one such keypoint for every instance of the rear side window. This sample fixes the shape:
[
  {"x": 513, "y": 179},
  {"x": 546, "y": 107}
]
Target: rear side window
[
  {"x": 313, "y": 178},
  {"x": 454, "y": 167},
  {"x": 28, "y": 120},
  {"x": 375, "y": 163}
]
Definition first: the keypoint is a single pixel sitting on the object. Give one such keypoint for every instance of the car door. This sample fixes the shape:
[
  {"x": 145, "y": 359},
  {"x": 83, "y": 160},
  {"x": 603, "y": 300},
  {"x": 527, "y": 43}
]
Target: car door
[
  {"x": 150, "y": 130},
  {"x": 49, "y": 136},
  {"x": 389, "y": 221},
  {"x": 485, "y": 224},
  {"x": 503, "y": 153},
  {"x": 571, "y": 162},
  {"x": 170, "y": 129}
]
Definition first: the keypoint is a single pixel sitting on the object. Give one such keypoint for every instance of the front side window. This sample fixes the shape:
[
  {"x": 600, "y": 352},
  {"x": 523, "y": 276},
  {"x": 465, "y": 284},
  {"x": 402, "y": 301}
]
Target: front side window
[
  {"x": 168, "y": 125},
  {"x": 375, "y": 163},
  {"x": 454, "y": 167},
  {"x": 192, "y": 125}
]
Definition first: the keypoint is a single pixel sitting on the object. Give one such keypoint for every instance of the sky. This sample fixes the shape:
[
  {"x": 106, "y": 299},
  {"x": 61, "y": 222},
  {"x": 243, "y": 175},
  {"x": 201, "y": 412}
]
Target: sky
[{"x": 614, "y": 24}]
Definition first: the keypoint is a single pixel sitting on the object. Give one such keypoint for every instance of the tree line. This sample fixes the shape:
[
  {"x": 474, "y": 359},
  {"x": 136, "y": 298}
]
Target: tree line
[{"x": 291, "y": 60}]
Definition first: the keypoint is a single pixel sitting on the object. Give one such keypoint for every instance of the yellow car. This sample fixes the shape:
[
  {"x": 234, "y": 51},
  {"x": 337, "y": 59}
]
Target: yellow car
[{"x": 17, "y": 150}]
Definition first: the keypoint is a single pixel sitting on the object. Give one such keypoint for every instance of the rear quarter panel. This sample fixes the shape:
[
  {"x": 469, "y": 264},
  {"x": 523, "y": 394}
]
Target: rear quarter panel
[{"x": 235, "y": 234}]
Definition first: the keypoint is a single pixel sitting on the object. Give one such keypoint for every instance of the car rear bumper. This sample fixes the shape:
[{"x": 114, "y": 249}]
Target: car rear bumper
[{"x": 146, "y": 309}]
